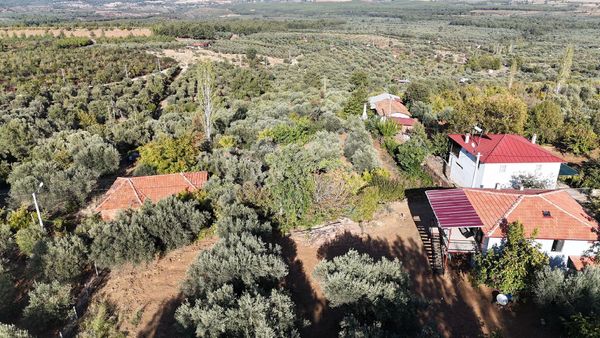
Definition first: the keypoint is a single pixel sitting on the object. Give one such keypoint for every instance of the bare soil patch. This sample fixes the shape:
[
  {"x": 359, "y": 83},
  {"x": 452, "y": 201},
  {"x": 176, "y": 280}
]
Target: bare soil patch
[
  {"x": 150, "y": 292},
  {"x": 109, "y": 33},
  {"x": 456, "y": 308},
  {"x": 187, "y": 57}
]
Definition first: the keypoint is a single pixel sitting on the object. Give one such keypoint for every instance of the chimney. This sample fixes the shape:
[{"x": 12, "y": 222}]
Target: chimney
[
  {"x": 533, "y": 138},
  {"x": 467, "y": 138}
]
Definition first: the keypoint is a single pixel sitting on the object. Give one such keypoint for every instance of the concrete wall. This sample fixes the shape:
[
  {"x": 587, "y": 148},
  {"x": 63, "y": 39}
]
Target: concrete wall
[
  {"x": 490, "y": 174},
  {"x": 570, "y": 248}
]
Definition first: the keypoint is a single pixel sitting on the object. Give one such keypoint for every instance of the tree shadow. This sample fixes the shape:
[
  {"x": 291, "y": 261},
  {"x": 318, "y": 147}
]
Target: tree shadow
[
  {"x": 443, "y": 310},
  {"x": 322, "y": 320},
  {"x": 163, "y": 322},
  {"x": 341, "y": 244}
]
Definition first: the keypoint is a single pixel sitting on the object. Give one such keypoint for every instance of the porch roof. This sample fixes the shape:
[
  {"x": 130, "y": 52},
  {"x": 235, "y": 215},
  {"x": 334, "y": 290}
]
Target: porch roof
[{"x": 453, "y": 209}]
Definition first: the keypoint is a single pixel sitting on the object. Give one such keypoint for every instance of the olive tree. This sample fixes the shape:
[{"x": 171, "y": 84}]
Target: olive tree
[
  {"x": 374, "y": 295},
  {"x": 243, "y": 261},
  {"x": 48, "y": 305},
  {"x": 225, "y": 313}
]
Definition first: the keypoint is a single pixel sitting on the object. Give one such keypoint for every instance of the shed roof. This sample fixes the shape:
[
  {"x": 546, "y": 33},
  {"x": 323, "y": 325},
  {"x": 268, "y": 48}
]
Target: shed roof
[{"x": 505, "y": 148}]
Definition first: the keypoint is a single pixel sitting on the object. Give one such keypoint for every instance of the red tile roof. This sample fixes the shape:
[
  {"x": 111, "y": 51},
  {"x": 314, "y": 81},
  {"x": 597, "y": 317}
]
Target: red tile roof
[
  {"x": 580, "y": 262},
  {"x": 567, "y": 220},
  {"x": 453, "y": 209},
  {"x": 505, "y": 148},
  {"x": 403, "y": 121},
  {"x": 131, "y": 192},
  {"x": 383, "y": 107}
]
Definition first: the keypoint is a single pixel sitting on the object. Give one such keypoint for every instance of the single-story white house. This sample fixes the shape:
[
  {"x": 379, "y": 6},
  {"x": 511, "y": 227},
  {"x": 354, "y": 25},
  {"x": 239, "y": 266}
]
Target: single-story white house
[
  {"x": 474, "y": 220},
  {"x": 493, "y": 160}
]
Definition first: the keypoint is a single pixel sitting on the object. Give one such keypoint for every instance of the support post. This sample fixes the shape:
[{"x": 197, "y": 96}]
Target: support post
[{"x": 37, "y": 210}]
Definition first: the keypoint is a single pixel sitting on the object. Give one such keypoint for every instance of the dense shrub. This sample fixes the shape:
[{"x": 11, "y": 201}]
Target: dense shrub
[
  {"x": 138, "y": 236},
  {"x": 367, "y": 202},
  {"x": 11, "y": 331},
  {"x": 238, "y": 218},
  {"x": 225, "y": 313},
  {"x": 7, "y": 292},
  {"x": 484, "y": 62},
  {"x": 65, "y": 258},
  {"x": 49, "y": 305},
  {"x": 73, "y": 42},
  {"x": 28, "y": 237},
  {"x": 359, "y": 150},
  {"x": 170, "y": 155},
  {"x": 243, "y": 261},
  {"x": 511, "y": 268},
  {"x": 373, "y": 295},
  {"x": 100, "y": 321}
]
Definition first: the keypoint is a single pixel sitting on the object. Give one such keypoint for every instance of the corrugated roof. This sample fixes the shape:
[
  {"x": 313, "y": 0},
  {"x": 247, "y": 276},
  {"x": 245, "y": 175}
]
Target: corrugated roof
[
  {"x": 505, "y": 148},
  {"x": 453, "y": 209},
  {"x": 131, "y": 192}
]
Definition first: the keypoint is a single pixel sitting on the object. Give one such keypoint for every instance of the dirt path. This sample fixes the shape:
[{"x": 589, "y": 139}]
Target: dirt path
[
  {"x": 457, "y": 309},
  {"x": 150, "y": 293}
]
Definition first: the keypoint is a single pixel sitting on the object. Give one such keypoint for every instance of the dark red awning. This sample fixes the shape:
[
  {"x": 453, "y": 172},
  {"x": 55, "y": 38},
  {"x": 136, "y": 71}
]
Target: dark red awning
[{"x": 453, "y": 209}]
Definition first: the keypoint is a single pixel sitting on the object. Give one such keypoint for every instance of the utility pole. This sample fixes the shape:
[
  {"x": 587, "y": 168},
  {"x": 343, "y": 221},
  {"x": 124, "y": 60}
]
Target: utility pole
[
  {"x": 158, "y": 63},
  {"x": 37, "y": 207},
  {"x": 126, "y": 72}
]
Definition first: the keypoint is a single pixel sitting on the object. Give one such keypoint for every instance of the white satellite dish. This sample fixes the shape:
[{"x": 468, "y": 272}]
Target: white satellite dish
[{"x": 502, "y": 299}]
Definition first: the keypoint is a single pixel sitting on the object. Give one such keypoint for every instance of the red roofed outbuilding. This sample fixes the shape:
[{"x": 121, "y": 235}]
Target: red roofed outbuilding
[
  {"x": 494, "y": 160},
  {"x": 132, "y": 192}
]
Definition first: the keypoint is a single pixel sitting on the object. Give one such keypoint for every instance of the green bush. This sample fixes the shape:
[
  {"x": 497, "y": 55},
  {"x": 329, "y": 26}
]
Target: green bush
[
  {"x": 138, "y": 236},
  {"x": 48, "y": 306},
  {"x": 11, "y": 331},
  {"x": 28, "y": 237},
  {"x": 243, "y": 261},
  {"x": 65, "y": 258},
  {"x": 374, "y": 296},
  {"x": 170, "y": 155},
  {"x": 73, "y": 42},
  {"x": 366, "y": 204},
  {"x": 100, "y": 321},
  {"x": 389, "y": 189},
  {"x": 511, "y": 268},
  {"x": 226, "y": 313}
]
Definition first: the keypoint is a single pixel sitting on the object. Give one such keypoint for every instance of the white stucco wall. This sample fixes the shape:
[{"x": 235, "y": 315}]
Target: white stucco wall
[
  {"x": 502, "y": 173},
  {"x": 461, "y": 168},
  {"x": 570, "y": 248},
  {"x": 490, "y": 174}
]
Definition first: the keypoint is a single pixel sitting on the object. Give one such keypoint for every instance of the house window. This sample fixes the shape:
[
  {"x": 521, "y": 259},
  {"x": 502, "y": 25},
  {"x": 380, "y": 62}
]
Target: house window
[
  {"x": 557, "y": 245},
  {"x": 503, "y": 168}
]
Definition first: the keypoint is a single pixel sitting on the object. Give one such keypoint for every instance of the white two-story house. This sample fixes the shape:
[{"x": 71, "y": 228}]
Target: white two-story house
[{"x": 494, "y": 160}]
